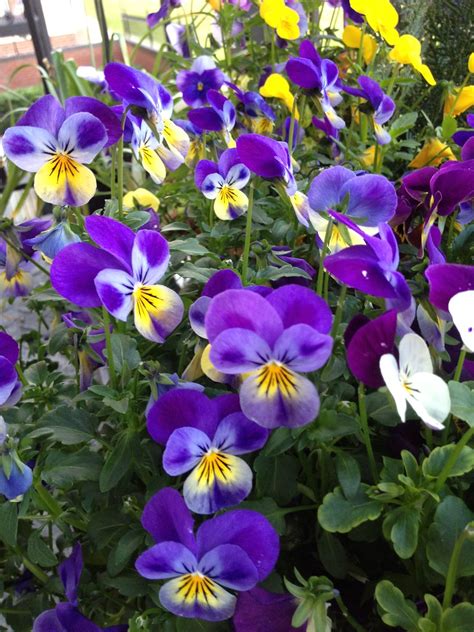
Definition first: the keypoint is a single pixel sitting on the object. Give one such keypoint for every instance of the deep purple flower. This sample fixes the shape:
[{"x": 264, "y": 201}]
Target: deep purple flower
[
  {"x": 205, "y": 436},
  {"x": 219, "y": 117},
  {"x": 259, "y": 116},
  {"x": 446, "y": 280},
  {"x": 152, "y": 19},
  {"x": 259, "y": 610},
  {"x": 66, "y": 617},
  {"x": 463, "y": 136},
  {"x": 366, "y": 345},
  {"x": 311, "y": 72},
  {"x": 348, "y": 10},
  {"x": 223, "y": 182},
  {"x": 195, "y": 83},
  {"x": 121, "y": 275},
  {"x": 10, "y": 385},
  {"x": 177, "y": 38},
  {"x": 232, "y": 551},
  {"x": 371, "y": 269},
  {"x": 381, "y": 104},
  {"x": 271, "y": 341}
]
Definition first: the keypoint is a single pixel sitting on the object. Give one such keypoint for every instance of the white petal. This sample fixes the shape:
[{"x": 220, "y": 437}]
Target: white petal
[
  {"x": 461, "y": 308},
  {"x": 391, "y": 376},
  {"x": 414, "y": 355},
  {"x": 429, "y": 398}
]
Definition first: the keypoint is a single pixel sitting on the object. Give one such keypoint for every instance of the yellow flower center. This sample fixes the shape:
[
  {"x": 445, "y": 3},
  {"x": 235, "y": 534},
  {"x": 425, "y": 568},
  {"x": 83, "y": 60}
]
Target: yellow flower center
[
  {"x": 213, "y": 465},
  {"x": 196, "y": 587},
  {"x": 145, "y": 299},
  {"x": 62, "y": 163},
  {"x": 200, "y": 85},
  {"x": 275, "y": 376}
]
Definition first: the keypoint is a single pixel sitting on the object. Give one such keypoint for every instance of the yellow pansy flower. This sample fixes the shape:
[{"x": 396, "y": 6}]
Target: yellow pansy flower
[
  {"x": 408, "y": 51},
  {"x": 352, "y": 38},
  {"x": 277, "y": 87},
  {"x": 432, "y": 153},
  {"x": 142, "y": 198},
  {"x": 368, "y": 157},
  {"x": 285, "y": 20},
  {"x": 459, "y": 101},
  {"x": 381, "y": 16},
  {"x": 215, "y": 4},
  {"x": 470, "y": 63}
]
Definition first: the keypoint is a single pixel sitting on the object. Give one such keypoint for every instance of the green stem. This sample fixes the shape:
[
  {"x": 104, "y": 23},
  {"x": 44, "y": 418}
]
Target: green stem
[
  {"x": 366, "y": 433},
  {"x": 248, "y": 236},
  {"x": 327, "y": 239},
  {"x": 120, "y": 167},
  {"x": 108, "y": 346},
  {"x": 456, "y": 377},
  {"x": 339, "y": 309},
  {"x": 113, "y": 169},
  {"x": 446, "y": 471},
  {"x": 23, "y": 254},
  {"x": 452, "y": 226},
  {"x": 292, "y": 126},
  {"x": 347, "y": 615},
  {"x": 13, "y": 178},
  {"x": 453, "y": 568},
  {"x": 24, "y": 195}
]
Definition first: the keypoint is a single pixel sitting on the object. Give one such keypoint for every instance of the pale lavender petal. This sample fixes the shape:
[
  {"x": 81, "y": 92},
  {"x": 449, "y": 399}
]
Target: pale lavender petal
[
  {"x": 302, "y": 348},
  {"x": 150, "y": 257},
  {"x": 166, "y": 560},
  {"x": 82, "y": 136},
  {"x": 184, "y": 449},
  {"x": 115, "y": 289},
  {"x": 106, "y": 115},
  {"x": 229, "y": 565},
  {"x": 372, "y": 199},
  {"x": 296, "y": 304},
  {"x": 239, "y": 350},
  {"x": 236, "y": 434},
  {"x": 46, "y": 113},
  {"x": 197, "y": 315},
  {"x": 325, "y": 189},
  {"x": 29, "y": 147}
]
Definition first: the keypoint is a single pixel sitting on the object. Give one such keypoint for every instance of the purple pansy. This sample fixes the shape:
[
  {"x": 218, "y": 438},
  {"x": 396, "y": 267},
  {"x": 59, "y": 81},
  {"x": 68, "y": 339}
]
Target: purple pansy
[
  {"x": 258, "y": 115},
  {"x": 222, "y": 182},
  {"x": 205, "y": 437},
  {"x": 55, "y": 142},
  {"x": 463, "y": 136},
  {"x": 152, "y": 19},
  {"x": 219, "y": 117},
  {"x": 311, "y": 72},
  {"x": 196, "y": 82},
  {"x": 367, "y": 199},
  {"x": 381, "y": 104},
  {"x": 371, "y": 268},
  {"x": 15, "y": 275},
  {"x": 259, "y": 610},
  {"x": 121, "y": 275},
  {"x": 270, "y": 341},
  {"x": 15, "y": 476},
  {"x": 177, "y": 38},
  {"x": 10, "y": 385},
  {"x": 446, "y": 280},
  {"x": 232, "y": 551},
  {"x": 66, "y": 617},
  {"x": 54, "y": 239}
]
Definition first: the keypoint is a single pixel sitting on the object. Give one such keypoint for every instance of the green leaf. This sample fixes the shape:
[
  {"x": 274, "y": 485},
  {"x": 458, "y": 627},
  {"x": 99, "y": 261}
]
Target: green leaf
[
  {"x": 462, "y": 402},
  {"x": 66, "y": 425},
  {"x": 404, "y": 531},
  {"x": 331, "y": 426},
  {"x": 116, "y": 464},
  {"x": 8, "y": 523},
  {"x": 197, "y": 625},
  {"x": 124, "y": 351},
  {"x": 433, "y": 465},
  {"x": 403, "y": 123},
  {"x": 339, "y": 514},
  {"x": 333, "y": 555},
  {"x": 123, "y": 550},
  {"x": 348, "y": 474},
  {"x": 448, "y": 126},
  {"x": 189, "y": 246},
  {"x": 106, "y": 526},
  {"x": 431, "y": 622},
  {"x": 458, "y": 619},
  {"x": 277, "y": 477},
  {"x": 280, "y": 441},
  {"x": 39, "y": 552},
  {"x": 65, "y": 469},
  {"x": 450, "y": 518},
  {"x": 396, "y": 610}
]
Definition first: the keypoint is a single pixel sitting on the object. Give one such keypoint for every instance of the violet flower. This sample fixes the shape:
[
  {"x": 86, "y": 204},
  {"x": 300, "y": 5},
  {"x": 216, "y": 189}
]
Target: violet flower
[
  {"x": 15, "y": 275},
  {"x": 152, "y": 19},
  {"x": 259, "y": 117},
  {"x": 321, "y": 76},
  {"x": 196, "y": 82},
  {"x": 15, "y": 476},
  {"x": 231, "y": 552},
  {"x": 271, "y": 341},
  {"x": 219, "y": 117},
  {"x": 222, "y": 182},
  {"x": 382, "y": 106},
  {"x": 121, "y": 275},
  {"x": 259, "y": 610},
  {"x": 205, "y": 437},
  {"x": 463, "y": 136},
  {"x": 10, "y": 385},
  {"x": 348, "y": 10},
  {"x": 176, "y": 36},
  {"x": 54, "y": 239}
]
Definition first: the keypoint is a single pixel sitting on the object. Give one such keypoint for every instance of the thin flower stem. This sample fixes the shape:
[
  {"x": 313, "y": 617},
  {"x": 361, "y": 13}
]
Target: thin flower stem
[
  {"x": 347, "y": 615},
  {"x": 365, "y": 432},
  {"x": 339, "y": 310},
  {"x": 113, "y": 169},
  {"x": 327, "y": 239},
  {"x": 108, "y": 345},
  {"x": 291, "y": 133},
  {"x": 120, "y": 166},
  {"x": 446, "y": 471},
  {"x": 23, "y": 254},
  {"x": 453, "y": 569},
  {"x": 248, "y": 236},
  {"x": 456, "y": 378}
]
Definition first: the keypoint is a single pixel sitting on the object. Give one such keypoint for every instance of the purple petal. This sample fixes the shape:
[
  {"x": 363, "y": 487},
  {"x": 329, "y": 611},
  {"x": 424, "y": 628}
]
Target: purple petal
[
  {"x": 131, "y": 85},
  {"x": 184, "y": 450},
  {"x": 243, "y": 309},
  {"x": 203, "y": 169},
  {"x": 74, "y": 269},
  {"x": 372, "y": 199},
  {"x": 454, "y": 185},
  {"x": 217, "y": 605},
  {"x": 247, "y": 529},
  {"x": 197, "y": 315},
  {"x": 150, "y": 257},
  {"x": 106, "y": 115},
  {"x": 179, "y": 408},
  {"x": 226, "y": 405},
  {"x": 17, "y": 483},
  {"x": 73, "y": 621},
  {"x": 236, "y": 434},
  {"x": 302, "y": 348},
  {"x": 238, "y": 350},
  {"x": 258, "y": 610},
  {"x": 446, "y": 280},
  {"x": 264, "y": 156},
  {"x": 206, "y": 119},
  {"x": 83, "y": 136},
  {"x": 229, "y": 565},
  {"x": 70, "y": 573},
  {"x": 228, "y": 159},
  {"x": 220, "y": 281},
  {"x": 167, "y": 518},
  {"x": 9, "y": 348},
  {"x": 46, "y": 113},
  {"x": 29, "y": 147},
  {"x": 467, "y": 152},
  {"x": 325, "y": 189},
  {"x": 8, "y": 379},
  {"x": 303, "y": 73},
  {"x": 299, "y": 305},
  {"x": 47, "y": 622},
  {"x": 166, "y": 560},
  {"x": 115, "y": 289},
  {"x": 292, "y": 403},
  {"x": 112, "y": 236},
  {"x": 368, "y": 345}
]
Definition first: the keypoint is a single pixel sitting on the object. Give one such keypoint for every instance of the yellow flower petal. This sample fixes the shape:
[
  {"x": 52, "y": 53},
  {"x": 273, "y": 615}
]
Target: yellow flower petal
[
  {"x": 381, "y": 16},
  {"x": 433, "y": 153},
  {"x": 140, "y": 197},
  {"x": 461, "y": 101},
  {"x": 277, "y": 87},
  {"x": 407, "y": 50},
  {"x": 470, "y": 63},
  {"x": 352, "y": 38},
  {"x": 63, "y": 181},
  {"x": 368, "y": 157},
  {"x": 271, "y": 11},
  {"x": 230, "y": 203},
  {"x": 287, "y": 27},
  {"x": 152, "y": 164}
]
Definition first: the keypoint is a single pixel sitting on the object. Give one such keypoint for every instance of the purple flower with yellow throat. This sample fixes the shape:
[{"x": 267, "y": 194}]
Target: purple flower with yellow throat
[
  {"x": 202, "y": 571},
  {"x": 55, "y": 142},
  {"x": 223, "y": 182},
  {"x": 196, "y": 82},
  {"x": 270, "y": 341},
  {"x": 122, "y": 275},
  {"x": 206, "y": 438},
  {"x": 381, "y": 105},
  {"x": 220, "y": 116}
]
